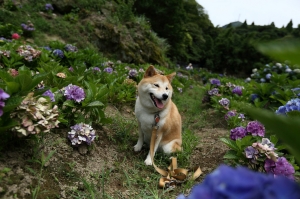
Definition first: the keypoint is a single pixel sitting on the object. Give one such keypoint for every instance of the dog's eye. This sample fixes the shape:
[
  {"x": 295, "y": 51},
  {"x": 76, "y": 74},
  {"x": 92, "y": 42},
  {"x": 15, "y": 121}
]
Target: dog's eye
[
  {"x": 156, "y": 85},
  {"x": 167, "y": 88}
]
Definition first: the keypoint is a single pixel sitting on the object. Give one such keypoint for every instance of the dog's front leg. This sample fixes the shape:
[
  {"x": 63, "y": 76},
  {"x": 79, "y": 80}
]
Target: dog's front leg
[
  {"x": 140, "y": 141},
  {"x": 148, "y": 160}
]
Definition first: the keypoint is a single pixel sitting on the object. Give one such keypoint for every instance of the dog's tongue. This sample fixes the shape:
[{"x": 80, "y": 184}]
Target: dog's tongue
[{"x": 159, "y": 103}]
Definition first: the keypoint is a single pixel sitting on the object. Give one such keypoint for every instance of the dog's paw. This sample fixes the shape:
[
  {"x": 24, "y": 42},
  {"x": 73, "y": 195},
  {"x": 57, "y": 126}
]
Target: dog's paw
[
  {"x": 148, "y": 161},
  {"x": 137, "y": 147}
]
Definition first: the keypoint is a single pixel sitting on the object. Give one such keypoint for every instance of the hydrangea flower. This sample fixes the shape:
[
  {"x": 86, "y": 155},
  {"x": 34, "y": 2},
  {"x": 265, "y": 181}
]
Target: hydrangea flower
[
  {"x": 248, "y": 79},
  {"x": 255, "y": 128},
  {"x": 71, "y": 48},
  {"x": 215, "y": 82},
  {"x": 237, "y": 90},
  {"x": 224, "y": 102},
  {"x": 243, "y": 183},
  {"x": 96, "y": 69},
  {"x": 214, "y": 91},
  {"x": 28, "y": 27},
  {"x": 108, "y": 70},
  {"x": 81, "y": 133},
  {"x": 179, "y": 89},
  {"x": 251, "y": 153},
  {"x": 59, "y": 53},
  {"x": 48, "y": 93},
  {"x": 280, "y": 167},
  {"x": 253, "y": 97},
  {"x": 237, "y": 133},
  {"x": 73, "y": 92},
  {"x": 262, "y": 80},
  {"x": 3, "y": 96},
  {"x": 292, "y": 105},
  {"x": 132, "y": 72},
  {"x": 268, "y": 76},
  {"x": 48, "y": 6},
  {"x": 229, "y": 114},
  {"x": 13, "y": 72},
  {"x": 267, "y": 148},
  {"x": 71, "y": 69},
  {"x": 47, "y": 48},
  {"x": 296, "y": 91}
]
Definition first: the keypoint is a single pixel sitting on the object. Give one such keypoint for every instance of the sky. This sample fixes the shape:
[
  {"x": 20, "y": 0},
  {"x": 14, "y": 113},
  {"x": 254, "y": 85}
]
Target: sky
[{"x": 261, "y": 12}]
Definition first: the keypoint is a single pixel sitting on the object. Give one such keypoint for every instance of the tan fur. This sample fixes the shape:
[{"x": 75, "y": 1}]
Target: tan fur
[{"x": 145, "y": 109}]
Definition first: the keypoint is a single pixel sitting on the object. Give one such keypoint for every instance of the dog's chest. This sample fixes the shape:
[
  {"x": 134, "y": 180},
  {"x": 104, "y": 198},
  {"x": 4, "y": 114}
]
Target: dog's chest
[{"x": 147, "y": 121}]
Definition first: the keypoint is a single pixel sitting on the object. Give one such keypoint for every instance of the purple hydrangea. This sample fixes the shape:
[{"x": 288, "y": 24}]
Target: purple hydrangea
[
  {"x": 71, "y": 69},
  {"x": 81, "y": 133},
  {"x": 280, "y": 167},
  {"x": 73, "y": 92},
  {"x": 49, "y": 6},
  {"x": 108, "y": 70},
  {"x": 237, "y": 90},
  {"x": 214, "y": 91},
  {"x": 48, "y": 93},
  {"x": 255, "y": 128},
  {"x": 292, "y": 105},
  {"x": 96, "y": 69},
  {"x": 243, "y": 183},
  {"x": 224, "y": 102},
  {"x": 3, "y": 96},
  {"x": 237, "y": 133},
  {"x": 71, "y": 48},
  {"x": 59, "y": 53},
  {"x": 229, "y": 114},
  {"x": 27, "y": 27},
  {"x": 215, "y": 81},
  {"x": 132, "y": 72}
]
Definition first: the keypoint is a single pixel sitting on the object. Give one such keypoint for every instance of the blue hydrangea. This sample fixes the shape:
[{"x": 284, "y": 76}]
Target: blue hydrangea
[
  {"x": 268, "y": 76},
  {"x": 71, "y": 48},
  {"x": 243, "y": 183},
  {"x": 58, "y": 53},
  {"x": 253, "y": 97},
  {"x": 292, "y": 105}
]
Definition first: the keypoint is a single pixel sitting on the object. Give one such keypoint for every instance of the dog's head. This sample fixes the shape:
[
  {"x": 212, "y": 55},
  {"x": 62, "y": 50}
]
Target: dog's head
[{"x": 155, "y": 90}]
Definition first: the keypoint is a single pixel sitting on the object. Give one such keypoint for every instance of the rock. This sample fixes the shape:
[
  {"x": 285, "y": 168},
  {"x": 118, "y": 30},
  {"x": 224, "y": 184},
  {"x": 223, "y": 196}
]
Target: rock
[{"x": 82, "y": 149}]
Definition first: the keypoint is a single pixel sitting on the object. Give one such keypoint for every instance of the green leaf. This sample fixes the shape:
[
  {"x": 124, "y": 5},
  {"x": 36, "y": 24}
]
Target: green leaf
[
  {"x": 8, "y": 125},
  {"x": 230, "y": 155},
  {"x": 12, "y": 87},
  {"x": 96, "y": 103},
  {"x": 230, "y": 143},
  {"x": 6, "y": 76},
  {"x": 274, "y": 139},
  {"x": 69, "y": 103},
  {"x": 25, "y": 81},
  {"x": 12, "y": 102},
  {"x": 282, "y": 50},
  {"x": 286, "y": 128}
]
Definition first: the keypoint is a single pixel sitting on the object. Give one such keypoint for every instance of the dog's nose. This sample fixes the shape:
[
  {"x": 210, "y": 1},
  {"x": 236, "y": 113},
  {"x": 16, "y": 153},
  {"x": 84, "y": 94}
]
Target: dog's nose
[{"x": 165, "y": 96}]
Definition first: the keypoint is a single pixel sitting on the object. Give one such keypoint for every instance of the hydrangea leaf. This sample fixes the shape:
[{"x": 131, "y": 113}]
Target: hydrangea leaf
[
  {"x": 69, "y": 103},
  {"x": 230, "y": 143},
  {"x": 12, "y": 87},
  {"x": 12, "y": 102},
  {"x": 286, "y": 128},
  {"x": 96, "y": 103},
  {"x": 282, "y": 50},
  {"x": 231, "y": 155}
]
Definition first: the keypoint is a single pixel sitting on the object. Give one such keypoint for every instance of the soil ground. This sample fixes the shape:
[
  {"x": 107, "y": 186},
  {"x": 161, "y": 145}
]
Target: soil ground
[{"x": 59, "y": 176}]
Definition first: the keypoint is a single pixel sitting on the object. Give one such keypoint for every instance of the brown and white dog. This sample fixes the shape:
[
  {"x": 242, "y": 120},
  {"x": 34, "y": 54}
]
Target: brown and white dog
[{"x": 154, "y": 97}]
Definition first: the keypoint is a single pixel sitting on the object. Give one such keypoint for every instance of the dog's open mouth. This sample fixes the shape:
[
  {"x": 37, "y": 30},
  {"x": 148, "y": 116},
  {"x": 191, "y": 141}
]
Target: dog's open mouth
[{"x": 157, "y": 102}]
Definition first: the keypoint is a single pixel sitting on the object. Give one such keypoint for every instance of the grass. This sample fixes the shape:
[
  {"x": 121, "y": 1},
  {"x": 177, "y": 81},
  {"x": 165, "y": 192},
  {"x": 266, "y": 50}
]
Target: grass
[{"x": 130, "y": 177}]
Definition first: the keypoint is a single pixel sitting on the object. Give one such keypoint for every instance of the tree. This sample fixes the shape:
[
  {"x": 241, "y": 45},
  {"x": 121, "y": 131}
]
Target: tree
[{"x": 289, "y": 26}]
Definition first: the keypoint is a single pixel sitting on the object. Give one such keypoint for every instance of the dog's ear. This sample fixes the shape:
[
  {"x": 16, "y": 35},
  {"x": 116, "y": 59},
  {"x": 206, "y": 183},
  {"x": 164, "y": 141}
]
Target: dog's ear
[
  {"x": 171, "y": 76},
  {"x": 150, "y": 72}
]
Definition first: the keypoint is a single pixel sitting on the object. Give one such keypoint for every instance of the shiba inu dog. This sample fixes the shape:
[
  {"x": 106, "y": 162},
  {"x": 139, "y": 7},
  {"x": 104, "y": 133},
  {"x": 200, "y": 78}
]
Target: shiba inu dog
[{"x": 154, "y": 97}]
